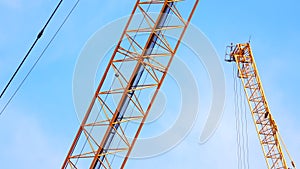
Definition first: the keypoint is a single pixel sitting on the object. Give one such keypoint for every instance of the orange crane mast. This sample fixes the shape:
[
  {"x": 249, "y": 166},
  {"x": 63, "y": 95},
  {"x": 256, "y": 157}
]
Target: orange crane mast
[
  {"x": 137, "y": 68},
  {"x": 266, "y": 127}
]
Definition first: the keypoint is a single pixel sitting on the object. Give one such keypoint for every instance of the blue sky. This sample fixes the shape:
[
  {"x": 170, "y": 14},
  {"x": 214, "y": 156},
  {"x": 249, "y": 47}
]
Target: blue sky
[{"x": 39, "y": 125}]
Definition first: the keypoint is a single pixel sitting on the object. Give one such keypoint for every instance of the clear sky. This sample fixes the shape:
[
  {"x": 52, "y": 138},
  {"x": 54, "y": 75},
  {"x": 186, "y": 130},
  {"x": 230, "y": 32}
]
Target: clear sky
[{"x": 39, "y": 125}]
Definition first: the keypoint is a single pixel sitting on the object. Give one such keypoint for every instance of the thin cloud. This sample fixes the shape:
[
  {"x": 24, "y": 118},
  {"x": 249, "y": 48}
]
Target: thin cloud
[
  {"x": 29, "y": 140},
  {"x": 16, "y": 4}
]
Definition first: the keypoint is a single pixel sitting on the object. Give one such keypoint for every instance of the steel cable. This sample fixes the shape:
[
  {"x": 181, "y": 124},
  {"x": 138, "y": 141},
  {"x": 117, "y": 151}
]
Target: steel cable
[
  {"x": 40, "y": 56},
  {"x": 30, "y": 49}
]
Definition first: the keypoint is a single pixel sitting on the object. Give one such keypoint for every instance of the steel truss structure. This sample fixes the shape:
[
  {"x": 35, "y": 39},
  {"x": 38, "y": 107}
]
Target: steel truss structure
[
  {"x": 135, "y": 72},
  {"x": 267, "y": 130}
]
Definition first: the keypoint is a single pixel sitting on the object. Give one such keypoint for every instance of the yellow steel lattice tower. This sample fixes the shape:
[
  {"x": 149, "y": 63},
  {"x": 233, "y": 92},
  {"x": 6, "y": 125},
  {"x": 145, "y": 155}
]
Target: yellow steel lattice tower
[
  {"x": 267, "y": 130},
  {"x": 130, "y": 83}
]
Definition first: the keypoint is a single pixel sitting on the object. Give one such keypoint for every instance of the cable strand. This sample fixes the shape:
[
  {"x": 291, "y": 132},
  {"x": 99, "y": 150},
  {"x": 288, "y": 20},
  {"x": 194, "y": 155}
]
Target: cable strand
[
  {"x": 30, "y": 49},
  {"x": 40, "y": 56}
]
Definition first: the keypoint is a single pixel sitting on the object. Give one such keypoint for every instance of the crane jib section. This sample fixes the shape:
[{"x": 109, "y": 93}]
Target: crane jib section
[
  {"x": 266, "y": 127},
  {"x": 133, "y": 84},
  {"x": 129, "y": 85}
]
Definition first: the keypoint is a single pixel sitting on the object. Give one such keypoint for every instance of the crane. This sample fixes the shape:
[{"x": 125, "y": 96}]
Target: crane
[
  {"x": 266, "y": 127},
  {"x": 138, "y": 66}
]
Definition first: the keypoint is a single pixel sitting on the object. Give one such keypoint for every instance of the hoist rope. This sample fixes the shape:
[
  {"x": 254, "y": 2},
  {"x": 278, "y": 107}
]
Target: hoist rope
[{"x": 241, "y": 124}]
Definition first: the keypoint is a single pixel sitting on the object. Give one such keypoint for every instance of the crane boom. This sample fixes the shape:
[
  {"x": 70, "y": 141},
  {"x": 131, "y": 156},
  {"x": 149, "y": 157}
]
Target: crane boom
[
  {"x": 137, "y": 67},
  {"x": 133, "y": 84},
  {"x": 266, "y": 127}
]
